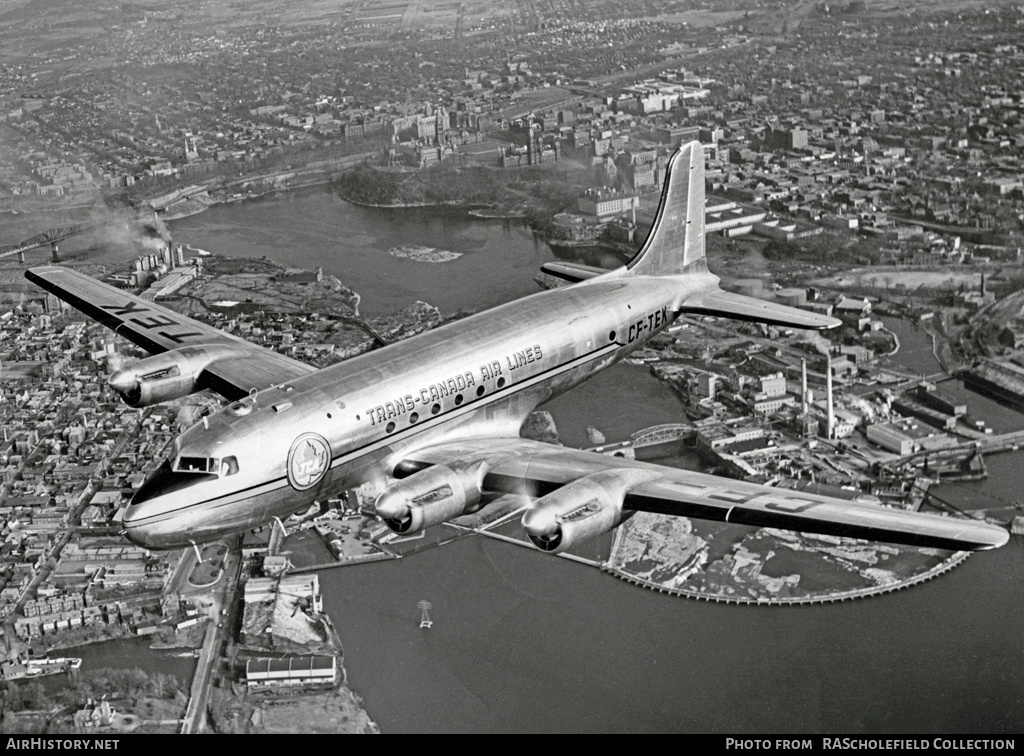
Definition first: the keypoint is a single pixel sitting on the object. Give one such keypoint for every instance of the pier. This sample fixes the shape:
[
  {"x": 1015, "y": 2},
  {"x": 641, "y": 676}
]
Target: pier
[{"x": 988, "y": 444}]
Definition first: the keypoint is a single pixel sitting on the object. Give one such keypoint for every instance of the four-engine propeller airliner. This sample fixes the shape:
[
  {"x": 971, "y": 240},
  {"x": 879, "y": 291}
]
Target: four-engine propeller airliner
[{"x": 438, "y": 415}]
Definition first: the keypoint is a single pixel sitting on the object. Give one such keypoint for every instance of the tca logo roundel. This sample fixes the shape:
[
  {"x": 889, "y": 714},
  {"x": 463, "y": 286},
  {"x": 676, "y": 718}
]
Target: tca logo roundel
[{"x": 308, "y": 460}]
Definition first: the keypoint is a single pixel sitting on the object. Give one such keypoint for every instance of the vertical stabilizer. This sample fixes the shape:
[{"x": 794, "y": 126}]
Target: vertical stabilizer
[{"x": 676, "y": 242}]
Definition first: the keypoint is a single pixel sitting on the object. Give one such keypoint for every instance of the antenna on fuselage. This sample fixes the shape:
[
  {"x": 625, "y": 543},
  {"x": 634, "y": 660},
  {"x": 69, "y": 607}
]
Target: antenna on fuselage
[{"x": 284, "y": 534}]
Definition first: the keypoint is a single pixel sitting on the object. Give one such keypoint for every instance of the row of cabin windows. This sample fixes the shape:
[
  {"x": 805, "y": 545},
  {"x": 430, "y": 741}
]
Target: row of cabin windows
[{"x": 436, "y": 407}]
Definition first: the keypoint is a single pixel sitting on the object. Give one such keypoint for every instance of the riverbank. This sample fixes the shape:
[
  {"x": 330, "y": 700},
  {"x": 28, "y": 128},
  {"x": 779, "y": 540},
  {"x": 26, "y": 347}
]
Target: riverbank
[
  {"x": 485, "y": 215},
  {"x": 196, "y": 207},
  {"x": 191, "y": 207},
  {"x": 409, "y": 205},
  {"x": 942, "y": 347}
]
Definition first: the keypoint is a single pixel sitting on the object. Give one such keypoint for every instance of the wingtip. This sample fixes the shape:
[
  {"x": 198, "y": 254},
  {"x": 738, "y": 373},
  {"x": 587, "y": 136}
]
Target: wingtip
[
  {"x": 1000, "y": 537},
  {"x": 983, "y": 536},
  {"x": 37, "y": 271}
]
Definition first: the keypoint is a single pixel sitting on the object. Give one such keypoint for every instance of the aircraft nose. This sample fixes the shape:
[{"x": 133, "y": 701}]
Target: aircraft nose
[
  {"x": 138, "y": 534},
  {"x": 138, "y": 527},
  {"x": 156, "y": 517}
]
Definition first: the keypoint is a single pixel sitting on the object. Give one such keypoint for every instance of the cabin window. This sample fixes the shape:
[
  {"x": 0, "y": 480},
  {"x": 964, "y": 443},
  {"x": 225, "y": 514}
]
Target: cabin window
[{"x": 229, "y": 466}]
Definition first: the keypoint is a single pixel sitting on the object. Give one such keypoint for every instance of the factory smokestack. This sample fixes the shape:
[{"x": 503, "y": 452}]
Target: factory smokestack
[
  {"x": 803, "y": 386},
  {"x": 830, "y": 430}
]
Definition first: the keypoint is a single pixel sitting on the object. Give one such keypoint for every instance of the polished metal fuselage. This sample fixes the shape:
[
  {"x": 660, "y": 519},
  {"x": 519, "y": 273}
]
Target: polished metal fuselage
[{"x": 475, "y": 378}]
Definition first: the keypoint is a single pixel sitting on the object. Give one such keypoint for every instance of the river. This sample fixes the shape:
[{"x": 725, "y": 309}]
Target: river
[
  {"x": 313, "y": 228},
  {"x": 523, "y": 642}
]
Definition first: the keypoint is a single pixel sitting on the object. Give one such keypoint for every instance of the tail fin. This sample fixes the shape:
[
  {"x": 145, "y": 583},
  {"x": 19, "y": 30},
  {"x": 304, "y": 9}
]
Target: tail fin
[{"x": 676, "y": 241}]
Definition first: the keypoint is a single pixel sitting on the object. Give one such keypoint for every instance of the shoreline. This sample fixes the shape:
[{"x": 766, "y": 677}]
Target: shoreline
[
  {"x": 213, "y": 201},
  {"x": 410, "y": 205},
  {"x": 626, "y": 251},
  {"x": 470, "y": 206},
  {"x": 474, "y": 210}
]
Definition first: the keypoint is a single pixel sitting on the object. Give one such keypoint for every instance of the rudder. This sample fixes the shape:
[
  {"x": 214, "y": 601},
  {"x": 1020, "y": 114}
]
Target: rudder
[{"x": 676, "y": 242}]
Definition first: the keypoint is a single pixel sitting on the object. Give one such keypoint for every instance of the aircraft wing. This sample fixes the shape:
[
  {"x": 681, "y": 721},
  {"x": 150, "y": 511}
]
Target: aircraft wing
[
  {"x": 159, "y": 329},
  {"x": 572, "y": 272},
  {"x": 740, "y": 307},
  {"x": 535, "y": 469}
]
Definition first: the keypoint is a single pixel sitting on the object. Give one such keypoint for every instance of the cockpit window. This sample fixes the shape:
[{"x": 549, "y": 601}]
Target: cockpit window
[
  {"x": 191, "y": 464},
  {"x": 227, "y": 466},
  {"x": 197, "y": 465}
]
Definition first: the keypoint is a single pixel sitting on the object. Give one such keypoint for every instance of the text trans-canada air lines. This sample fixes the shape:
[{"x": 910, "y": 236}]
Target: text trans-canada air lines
[{"x": 438, "y": 415}]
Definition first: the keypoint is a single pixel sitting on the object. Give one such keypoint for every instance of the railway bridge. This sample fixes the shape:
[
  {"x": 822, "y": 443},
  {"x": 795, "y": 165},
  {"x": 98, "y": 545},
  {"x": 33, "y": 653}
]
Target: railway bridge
[
  {"x": 54, "y": 236},
  {"x": 656, "y": 441}
]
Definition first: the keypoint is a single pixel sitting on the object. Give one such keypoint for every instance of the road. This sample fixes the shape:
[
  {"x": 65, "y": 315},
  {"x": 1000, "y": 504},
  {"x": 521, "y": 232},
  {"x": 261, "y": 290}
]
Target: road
[{"x": 219, "y": 597}]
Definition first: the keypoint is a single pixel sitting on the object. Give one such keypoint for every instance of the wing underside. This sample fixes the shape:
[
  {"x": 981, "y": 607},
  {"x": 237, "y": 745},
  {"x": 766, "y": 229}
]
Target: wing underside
[
  {"x": 158, "y": 329},
  {"x": 535, "y": 469}
]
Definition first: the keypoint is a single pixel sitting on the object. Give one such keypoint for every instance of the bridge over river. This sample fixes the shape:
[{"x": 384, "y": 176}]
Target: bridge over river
[
  {"x": 649, "y": 443},
  {"x": 54, "y": 236}
]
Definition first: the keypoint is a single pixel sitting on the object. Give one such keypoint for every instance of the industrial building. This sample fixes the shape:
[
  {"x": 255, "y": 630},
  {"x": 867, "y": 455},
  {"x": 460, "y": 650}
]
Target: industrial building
[{"x": 291, "y": 671}]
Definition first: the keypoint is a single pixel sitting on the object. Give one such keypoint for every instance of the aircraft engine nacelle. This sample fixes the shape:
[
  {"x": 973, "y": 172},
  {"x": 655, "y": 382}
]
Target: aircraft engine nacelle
[
  {"x": 167, "y": 376},
  {"x": 580, "y": 510},
  {"x": 430, "y": 497}
]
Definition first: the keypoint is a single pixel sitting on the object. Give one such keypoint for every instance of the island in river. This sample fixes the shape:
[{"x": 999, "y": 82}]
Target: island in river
[{"x": 420, "y": 253}]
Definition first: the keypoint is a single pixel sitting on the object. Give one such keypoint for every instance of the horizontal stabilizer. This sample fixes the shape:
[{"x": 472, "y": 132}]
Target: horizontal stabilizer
[
  {"x": 739, "y": 307},
  {"x": 573, "y": 272}
]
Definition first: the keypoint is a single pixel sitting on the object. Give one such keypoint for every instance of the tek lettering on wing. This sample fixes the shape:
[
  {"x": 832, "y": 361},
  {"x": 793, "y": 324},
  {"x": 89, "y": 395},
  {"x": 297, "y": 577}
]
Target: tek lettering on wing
[
  {"x": 155, "y": 321},
  {"x": 129, "y": 308}
]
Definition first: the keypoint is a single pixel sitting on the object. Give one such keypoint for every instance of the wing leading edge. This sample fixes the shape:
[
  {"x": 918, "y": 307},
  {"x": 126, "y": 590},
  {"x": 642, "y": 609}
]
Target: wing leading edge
[
  {"x": 740, "y": 307},
  {"x": 535, "y": 469},
  {"x": 158, "y": 329}
]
